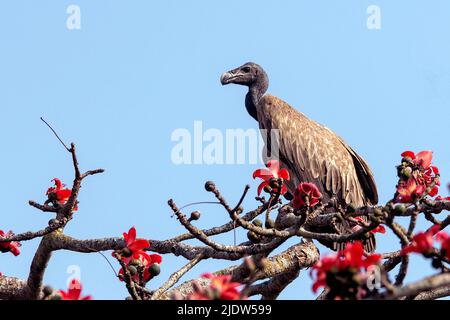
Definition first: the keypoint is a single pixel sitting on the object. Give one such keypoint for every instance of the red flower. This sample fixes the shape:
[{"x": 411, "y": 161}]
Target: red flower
[
  {"x": 306, "y": 190},
  {"x": 134, "y": 244},
  {"x": 273, "y": 172},
  {"x": 136, "y": 247},
  {"x": 321, "y": 269},
  {"x": 422, "y": 242},
  {"x": 417, "y": 174},
  {"x": 379, "y": 229},
  {"x": 144, "y": 259},
  {"x": 352, "y": 257},
  {"x": 220, "y": 288},
  {"x": 73, "y": 292},
  {"x": 439, "y": 198},
  {"x": 408, "y": 191},
  {"x": 444, "y": 239},
  {"x": 59, "y": 193},
  {"x": 11, "y": 246},
  {"x": 422, "y": 159}
]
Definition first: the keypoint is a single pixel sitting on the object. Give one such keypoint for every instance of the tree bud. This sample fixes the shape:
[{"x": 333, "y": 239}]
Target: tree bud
[
  {"x": 400, "y": 209},
  {"x": 53, "y": 222},
  {"x": 195, "y": 216},
  {"x": 132, "y": 270},
  {"x": 210, "y": 186},
  {"x": 270, "y": 224},
  {"x": 135, "y": 262},
  {"x": 406, "y": 172},
  {"x": 47, "y": 291},
  {"x": 274, "y": 183},
  {"x": 257, "y": 222},
  {"x": 154, "y": 269},
  {"x": 126, "y": 252}
]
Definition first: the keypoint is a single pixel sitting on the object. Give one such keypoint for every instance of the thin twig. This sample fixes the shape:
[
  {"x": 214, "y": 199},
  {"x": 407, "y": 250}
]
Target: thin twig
[{"x": 56, "y": 135}]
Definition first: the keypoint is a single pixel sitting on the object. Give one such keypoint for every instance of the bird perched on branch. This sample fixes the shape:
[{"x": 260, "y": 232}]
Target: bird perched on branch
[{"x": 310, "y": 151}]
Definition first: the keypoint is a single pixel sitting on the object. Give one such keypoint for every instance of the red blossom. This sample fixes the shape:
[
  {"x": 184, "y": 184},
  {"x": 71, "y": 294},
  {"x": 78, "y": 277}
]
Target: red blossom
[
  {"x": 220, "y": 288},
  {"x": 440, "y": 198},
  {"x": 73, "y": 292},
  {"x": 134, "y": 244},
  {"x": 422, "y": 242},
  {"x": 423, "y": 158},
  {"x": 143, "y": 259},
  {"x": 138, "y": 255},
  {"x": 444, "y": 239},
  {"x": 306, "y": 190},
  {"x": 408, "y": 191},
  {"x": 11, "y": 246},
  {"x": 59, "y": 193},
  {"x": 417, "y": 175},
  {"x": 352, "y": 257},
  {"x": 273, "y": 172}
]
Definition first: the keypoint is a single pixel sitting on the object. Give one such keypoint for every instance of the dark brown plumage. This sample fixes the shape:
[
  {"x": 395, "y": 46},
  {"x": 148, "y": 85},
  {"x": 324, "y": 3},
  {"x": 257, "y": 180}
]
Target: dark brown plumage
[{"x": 310, "y": 151}]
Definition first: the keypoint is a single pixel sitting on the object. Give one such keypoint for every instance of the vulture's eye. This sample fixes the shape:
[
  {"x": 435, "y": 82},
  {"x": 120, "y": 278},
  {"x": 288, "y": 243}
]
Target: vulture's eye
[{"x": 246, "y": 69}]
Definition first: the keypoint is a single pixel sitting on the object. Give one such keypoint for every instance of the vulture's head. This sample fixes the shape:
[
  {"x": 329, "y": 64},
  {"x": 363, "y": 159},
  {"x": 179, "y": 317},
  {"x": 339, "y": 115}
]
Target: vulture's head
[{"x": 246, "y": 75}]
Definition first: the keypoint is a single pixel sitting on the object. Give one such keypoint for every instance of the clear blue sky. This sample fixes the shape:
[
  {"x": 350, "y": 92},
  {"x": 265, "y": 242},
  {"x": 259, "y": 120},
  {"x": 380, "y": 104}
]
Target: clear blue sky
[{"x": 137, "y": 70}]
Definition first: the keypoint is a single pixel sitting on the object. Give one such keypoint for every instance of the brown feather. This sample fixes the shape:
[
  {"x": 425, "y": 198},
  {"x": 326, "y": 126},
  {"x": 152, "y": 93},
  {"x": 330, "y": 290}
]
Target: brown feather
[{"x": 313, "y": 153}]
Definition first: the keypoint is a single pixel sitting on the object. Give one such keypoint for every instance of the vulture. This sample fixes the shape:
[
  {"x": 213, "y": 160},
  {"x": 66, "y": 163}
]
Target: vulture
[{"x": 308, "y": 150}]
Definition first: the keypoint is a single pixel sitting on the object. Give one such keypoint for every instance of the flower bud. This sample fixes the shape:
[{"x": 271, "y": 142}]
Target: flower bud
[
  {"x": 47, "y": 291},
  {"x": 194, "y": 216},
  {"x": 210, "y": 186},
  {"x": 274, "y": 183},
  {"x": 270, "y": 224},
  {"x": 135, "y": 262},
  {"x": 288, "y": 196},
  {"x": 400, "y": 209},
  {"x": 267, "y": 189},
  {"x": 257, "y": 222},
  {"x": 407, "y": 160},
  {"x": 53, "y": 222},
  {"x": 406, "y": 172},
  {"x": 436, "y": 263},
  {"x": 52, "y": 196},
  {"x": 154, "y": 269},
  {"x": 126, "y": 252},
  {"x": 132, "y": 270}
]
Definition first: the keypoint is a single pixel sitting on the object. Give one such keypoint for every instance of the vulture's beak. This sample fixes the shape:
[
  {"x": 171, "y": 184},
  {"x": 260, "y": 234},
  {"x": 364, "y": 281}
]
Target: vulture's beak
[{"x": 228, "y": 77}]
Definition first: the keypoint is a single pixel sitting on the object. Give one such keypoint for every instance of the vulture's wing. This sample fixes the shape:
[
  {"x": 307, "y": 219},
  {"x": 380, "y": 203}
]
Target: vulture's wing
[
  {"x": 313, "y": 153},
  {"x": 365, "y": 175}
]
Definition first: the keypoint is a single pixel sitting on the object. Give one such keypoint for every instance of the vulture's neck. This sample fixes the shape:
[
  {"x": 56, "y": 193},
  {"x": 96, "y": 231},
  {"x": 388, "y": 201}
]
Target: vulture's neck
[{"x": 255, "y": 93}]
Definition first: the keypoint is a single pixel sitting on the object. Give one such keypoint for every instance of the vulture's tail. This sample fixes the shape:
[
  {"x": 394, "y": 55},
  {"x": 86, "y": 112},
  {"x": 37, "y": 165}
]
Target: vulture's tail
[{"x": 369, "y": 242}]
